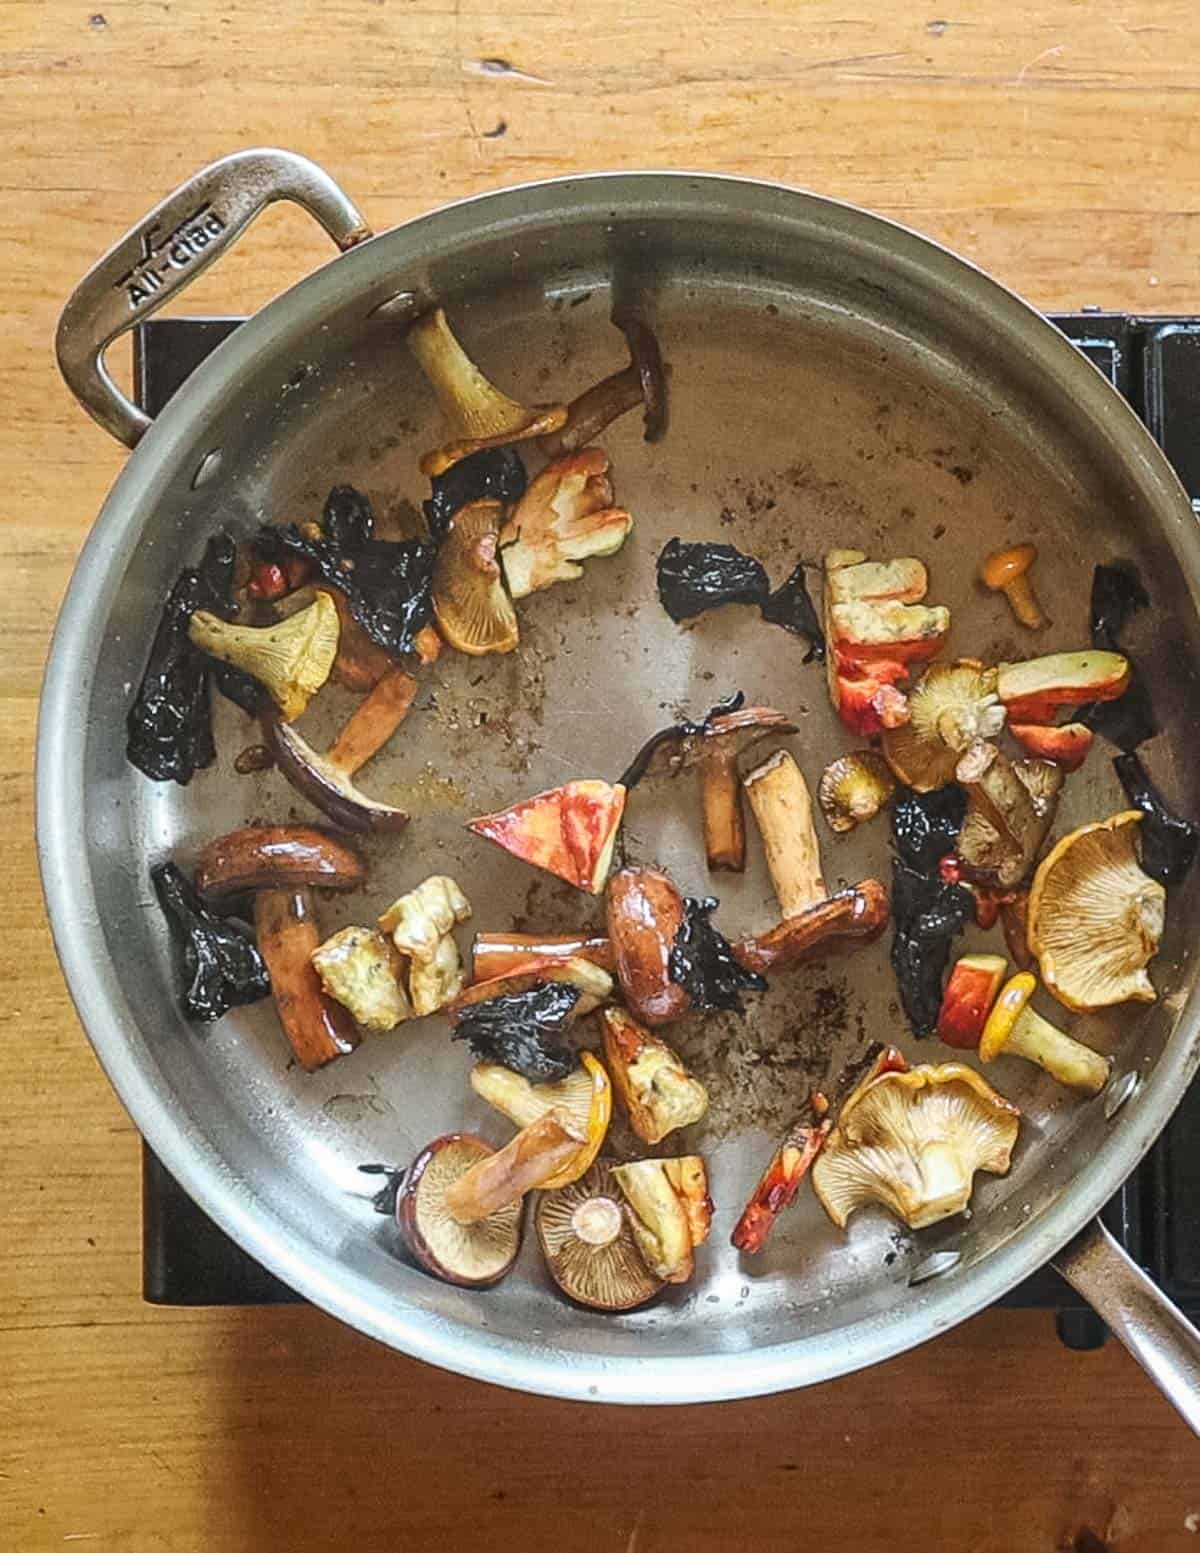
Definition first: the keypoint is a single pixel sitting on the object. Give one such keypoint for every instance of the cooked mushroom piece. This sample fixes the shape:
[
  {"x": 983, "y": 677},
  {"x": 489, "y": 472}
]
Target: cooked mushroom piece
[
  {"x": 952, "y": 706},
  {"x": 1012, "y": 806},
  {"x": 570, "y": 831},
  {"x": 590, "y": 1252},
  {"x": 1033, "y": 691},
  {"x": 593, "y": 410},
  {"x": 703, "y": 963},
  {"x": 1168, "y": 841},
  {"x": 470, "y": 1255},
  {"x": 853, "y": 789},
  {"x": 419, "y": 920},
  {"x": 317, "y": 1028},
  {"x": 646, "y": 359},
  {"x": 967, "y": 1001},
  {"x": 565, "y": 516},
  {"x": 1067, "y": 746},
  {"x": 523, "y": 1029},
  {"x": 292, "y": 659},
  {"x": 1014, "y": 1029},
  {"x": 593, "y": 984},
  {"x": 782, "y": 807},
  {"x": 1007, "y": 571},
  {"x": 360, "y": 663},
  {"x": 855, "y": 916},
  {"x": 913, "y": 1142},
  {"x": 586, "y": 1096},
  {"x": 435, "y": 982},
  {"x": 478, "y": 415},
  {"x": 659, "y": 1093},
  {"x": 645, "y": 913},
  {"x": 536, "y": 1155},
  {"x": 222, "y": 967},
  {"x": 360, "y": 970},
  {"x": 496, "y": 954},
  {"x": 664, "y": 1227},
  {"x": 265, "y": 857},
  {"x": 1013, "y": 919},
  {"x": 781, "y": 1180},
  {"x": 473, "y": 610},
  {"x": 329, "y": 787},
  {"x": 1095, "y": 919}
]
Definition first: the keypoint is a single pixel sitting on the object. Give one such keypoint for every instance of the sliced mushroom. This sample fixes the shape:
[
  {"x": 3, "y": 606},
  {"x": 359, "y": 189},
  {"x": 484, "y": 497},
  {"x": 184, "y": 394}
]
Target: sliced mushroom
[
  {"x": 292, "y": 659},
  {"x": 973, "y": 987},
  {"x": 1015, "y": 1029},
  {"x": 565, "y": 516},
  {"x": 496, "y": 954},
  {"x": 317, "y": 1028},
  {"x": 536, "y": 1155},
  {"x": 1067, "y": 746},
  {"x": 477, "y": 413},
  {"x": 474, "y": 612},
  {"x": 913, "y": 1142},
  {"x": 471, "y": 1255},
  {"x": 855, "y": 916},
  {"x": 659, "y": 1093},
  {"x": 853, "y": 789},
  {"x": 645, "y": 914},
  {"x": 782, "y": 807},
  {"x": 588, "y": 1244},
  {"x": 780, "y": 1181},
  {"x": 360, "y": 663},
  {"x": 1095, "y": 919},
  {"x": 595, "y": 986},
  {"x": 361, "y": 971},
  {"x": 419, "y": 920},
  {"x": 670, "y": 1212},
  {"x": 952, "y": 707},
  {"x": 646, "y": 359},
  {"x": 327, "y": 780},
  {"x": 266, "y": 857},
  {"x": 586, "y": 1096},
  {"x": 1034, "y": 690},
  {"x": 594, "y": 409},
  {"x": 1012, "y": 806},
  {"x": 569, "y": 831}
]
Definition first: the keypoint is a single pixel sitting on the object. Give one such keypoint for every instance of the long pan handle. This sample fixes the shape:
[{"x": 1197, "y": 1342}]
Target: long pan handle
[{"x": 1159, "y": 1337}]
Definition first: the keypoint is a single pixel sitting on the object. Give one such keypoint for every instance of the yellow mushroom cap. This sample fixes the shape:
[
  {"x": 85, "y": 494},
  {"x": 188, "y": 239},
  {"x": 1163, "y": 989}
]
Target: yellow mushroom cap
[
  {"x": 1006, "y": 1010},
  {"x": 1095, "y": 919}
]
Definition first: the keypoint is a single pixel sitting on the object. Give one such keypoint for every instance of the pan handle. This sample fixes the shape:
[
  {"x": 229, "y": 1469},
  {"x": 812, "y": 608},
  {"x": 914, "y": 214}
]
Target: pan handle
[
  {"x": 1159, "y": 1337},
  {"x": 167, "y": 249}
]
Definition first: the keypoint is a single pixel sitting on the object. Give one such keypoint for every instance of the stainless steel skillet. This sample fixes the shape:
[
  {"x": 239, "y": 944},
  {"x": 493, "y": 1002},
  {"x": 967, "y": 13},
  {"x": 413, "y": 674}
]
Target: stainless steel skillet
[{"x": 835, "y": 380}]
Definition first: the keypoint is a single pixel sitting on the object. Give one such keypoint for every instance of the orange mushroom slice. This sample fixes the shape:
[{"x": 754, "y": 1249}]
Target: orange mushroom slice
[{"x": 569, "y": 831}]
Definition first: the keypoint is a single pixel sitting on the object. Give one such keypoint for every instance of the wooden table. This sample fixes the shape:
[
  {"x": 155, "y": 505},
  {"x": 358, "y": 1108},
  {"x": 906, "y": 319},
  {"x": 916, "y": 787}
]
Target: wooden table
[{"x": 1055, "y": 141}]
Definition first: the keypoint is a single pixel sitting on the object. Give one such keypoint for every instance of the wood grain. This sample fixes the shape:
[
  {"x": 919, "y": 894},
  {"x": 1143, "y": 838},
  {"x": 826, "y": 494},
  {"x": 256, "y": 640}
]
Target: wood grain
[{"x": 1055, "y": 142}]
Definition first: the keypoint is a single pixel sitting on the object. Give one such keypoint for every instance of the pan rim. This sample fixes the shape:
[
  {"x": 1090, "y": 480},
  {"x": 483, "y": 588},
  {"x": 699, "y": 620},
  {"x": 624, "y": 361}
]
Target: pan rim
[{"x": 212, "y": 1180}]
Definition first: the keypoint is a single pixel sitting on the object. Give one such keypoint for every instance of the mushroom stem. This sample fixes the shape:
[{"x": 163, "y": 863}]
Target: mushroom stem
[
  {"x": 317, "y": 1028},
  {"x": 373, "y": 722},
  {"x": 594, "y": 409},
  {"x": 501, "y": 954},
  {"x": 1064, "y": 1058},
  {"x": 536, "y": 1153},
  {"x": 1020, "y": 595},
  {"x": 783, "y": 809},
  {"x": 721, "y": 803},
  {"x": 856, "y": 915}
]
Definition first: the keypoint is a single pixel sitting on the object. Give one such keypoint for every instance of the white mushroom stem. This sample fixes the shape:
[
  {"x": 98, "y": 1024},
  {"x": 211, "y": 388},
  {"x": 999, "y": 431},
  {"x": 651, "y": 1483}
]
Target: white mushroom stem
[
  {"x": 783, "y": 810},
  {"x": 1064, "y": 1058}
]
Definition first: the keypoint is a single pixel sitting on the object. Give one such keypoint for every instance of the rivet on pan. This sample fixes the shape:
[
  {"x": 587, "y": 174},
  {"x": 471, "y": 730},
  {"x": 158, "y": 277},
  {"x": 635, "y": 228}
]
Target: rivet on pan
[
  {"x": 209, "y": 465},
  {"x": 934, "y": 1266},
  {"x": 397, "y": 306},
  {"x": 1118, "y": 1093}
]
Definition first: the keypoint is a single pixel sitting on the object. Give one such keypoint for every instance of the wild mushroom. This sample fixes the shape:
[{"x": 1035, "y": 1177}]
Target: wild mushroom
[
  {"x": 1067, "y": 746},
  {"x": 1033, "y": 691},
  {"x": 477, "y": 413},
  {"x": 781, "y": 1180},
  {"x": 851, "y": 917},
  {"x": 569, "y": 831},
  {"x": 222, "y": 967},
  {"x": 586, "y": 1239},
  {"x": 659, "y": 1093},
  {"x": 1012, "y": 806},
  {"x": 328, "y": 780},
  {"x": 593, "y": 984},
  {"x": 469, "y": 1255},
  {"x": 585, "y": 1094},
  {"x": 1168, "y": 841},
  {"x": 292, "y": 659},
  {"x": 1014, "y": 1029},
  {"x": 646, "y": 359},
  {"x": 703, "y": 963},
  {"x": 421, "y": 926},
  {"x": 853, "y": 789},
  {"x": 1095, "y": 919},
  {"x": 782, "y": 807},
  {"x": 967, "y": 1001},
  {"x": 1014, "y": 915},
  {"x": 952, "y": 706},
  {"x": 643, "y": 381},
  {"x": 913, "y": 1142},
  {"x": 670, "y": 1212},
  {"x": 713, "y": 748},
  {"x": 565, "y": 516},
  {"x": 360, "y": 663},
  {"x": 473, "y": 610},
  {"x": 317, "y": 1028},
  {"x": 1007, "y": 571},
  {"x": 496, "y": 954},
  {"x": 265, "y": 857},
  {"x": 519, "y": 1020},
  {"x": 645, "y": 913},
  {"x": 536, "y": 1155},
  {"x": 359, "y": 969}
]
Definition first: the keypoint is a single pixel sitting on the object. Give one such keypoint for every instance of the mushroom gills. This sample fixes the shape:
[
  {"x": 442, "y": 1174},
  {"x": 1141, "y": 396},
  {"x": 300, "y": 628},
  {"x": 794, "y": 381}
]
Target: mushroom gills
[
  {"x": 470, "y": 1255},
  {"x": 588, "y": 1244}
]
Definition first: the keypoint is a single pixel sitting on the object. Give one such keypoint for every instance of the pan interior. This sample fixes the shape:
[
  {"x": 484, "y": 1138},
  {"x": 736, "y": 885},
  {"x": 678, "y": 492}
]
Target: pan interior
[{"x": 821, "y": 395}]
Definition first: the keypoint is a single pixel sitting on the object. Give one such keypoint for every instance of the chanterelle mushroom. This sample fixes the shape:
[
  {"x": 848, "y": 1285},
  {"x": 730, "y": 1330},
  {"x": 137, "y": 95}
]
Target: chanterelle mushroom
[
  {"x": 565, "y": 516},
  {"x": 478, "y": 414},
  {"x": 913, "y": 1142},
  {"x": 1095, "y": 919},
  {"x": 474, "y": 613},
  {"x": 292, "y": 659}
]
